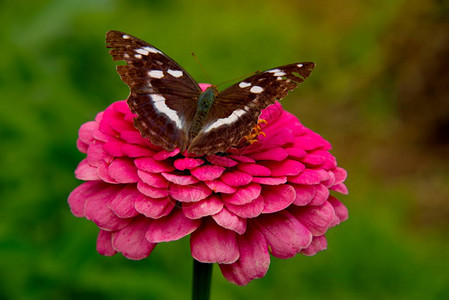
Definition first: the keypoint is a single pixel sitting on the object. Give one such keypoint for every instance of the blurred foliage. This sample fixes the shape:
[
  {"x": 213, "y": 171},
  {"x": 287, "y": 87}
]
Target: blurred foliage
[{"x": 379, "y": 94}]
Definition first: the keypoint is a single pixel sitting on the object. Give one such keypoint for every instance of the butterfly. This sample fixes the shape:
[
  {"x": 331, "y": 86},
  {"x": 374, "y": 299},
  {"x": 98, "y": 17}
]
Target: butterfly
[{"x": 172, "y": 110}]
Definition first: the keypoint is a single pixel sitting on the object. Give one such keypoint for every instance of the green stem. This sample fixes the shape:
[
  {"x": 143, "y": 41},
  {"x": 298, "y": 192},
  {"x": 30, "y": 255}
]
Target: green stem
[{"x": 202, "y": 275}]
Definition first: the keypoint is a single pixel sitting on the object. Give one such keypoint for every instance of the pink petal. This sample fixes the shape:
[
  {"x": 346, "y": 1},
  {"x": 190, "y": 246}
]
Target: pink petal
[
  {"x": 131, "y": 150},
  {"x": 104, "y": 124},
  {"x": 295, "y": 152},
  {"x": 206, "y": 207},
  {"x": 221, "y": 161},
  {"x": 189, "y": 193},
  {"x": 207, "y": 172},
  {"x": 321, "y": 195},
  {"x": 187, "y": 163},
  {"x": 236, "y": 178},
  {"x": 171, "y": 228},
  {"x": 316, "y": 157},
  {"x": 77, "y": 198},
  {"x": 131, "y": 241},
  {"x": 99, "y": 117},
  {"x": 121, "y": 107},
  {"x": 204, "y": 86},
  {"x": 287, "y": 167},
  {"x": 331, "y": 181},
  {"x": 270, "y": 180},
  {"x": 249, "y": 210},
  {"x": 219, "y": 187},
  {"x": 164, "y": 154},
  {"x": 307, "y": 177},
  {"x": 309, "y": 141},
  {"x": 316, "y": 218},
  {"x": 243, "y": 195},
  {"x": 211, "y": 243},
  {"x": 277, "y": 197},
  {"x": 272, "y": 113},
  {"x": 114, "y": 148},
  {"x": 228, "y": 220},
  {"x": 86, "y": 132},
  {"x": 319, "y": 243},
  {"x": 254, "y": 169},
  {"x": 324, "y": 174},
  {"x": 304, "y": 194},
  {"x": 82, "y": 147},
  {"x": 154, "y": 208},
  {"x": 119, "y": 125},
  {"x": 105, "y": 137},
  {"x": 253, "y": 262},
  {"x": 284, "y": 234},
  {"x": 104, "y": 243},
  {"x": 123, "y": 203},
  {"x": 103, "y": 173},
  {"x": 97, "y": 210},
  {"x": 276, "y": 154},
  {"x": 151, "y": 165},
  {"x": 278, "y": 138},
  {"x": 153, "y": 179},
  {"x": 340, "y": 175},
  {"x": 123, "y": 171},
  {"x": 330, "y": 163},
  {"x": 180, "y": 179},
  {"x": 132, "y": 137},
  {"x": 97, "y": 155},
  {"x": 242, "y": 158},
  {"x": 84, "y": 171},
  {"x": 341, "y": 211},
  {"x": 150, "y": 191},
  {"x": 341, "y": 188}
]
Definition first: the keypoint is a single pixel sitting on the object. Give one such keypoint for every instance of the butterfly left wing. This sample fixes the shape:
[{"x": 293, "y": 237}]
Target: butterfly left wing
[
  {"x": 236, "y": 109},
  {"x": 162, "y": 94}
]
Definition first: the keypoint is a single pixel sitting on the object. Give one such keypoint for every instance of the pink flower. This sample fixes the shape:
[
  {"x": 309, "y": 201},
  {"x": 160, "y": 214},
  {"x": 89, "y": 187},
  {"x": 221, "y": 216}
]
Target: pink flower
[{"x": 268, "y": 197}]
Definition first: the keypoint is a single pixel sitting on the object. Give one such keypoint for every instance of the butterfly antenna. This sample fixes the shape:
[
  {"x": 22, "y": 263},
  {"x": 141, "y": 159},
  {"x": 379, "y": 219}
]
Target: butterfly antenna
[
  {"x": 244, "y": 76},
  {"x": 202, "y": 68}
]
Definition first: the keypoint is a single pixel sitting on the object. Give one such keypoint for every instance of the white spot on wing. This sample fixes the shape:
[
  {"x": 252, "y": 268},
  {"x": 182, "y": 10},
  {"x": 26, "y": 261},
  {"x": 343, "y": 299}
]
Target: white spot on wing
[
  {"x": 143, "y": 50},
  {"x": 299, "y": 65},
  {"x": 126, "y": 55},
  {"x": 236, "y": 114},
  {"x": 256, "y": 89},
  {"x": 279, "y": 73},
  {"x": 156, "y": 74},
  {"x": 125, "y": 36},
  {"x": 273, "y": 71},
  {"x": 152, "y": 50},
  {"x": 160, "y": 106},
  {"x": 137, "y": 56},
  {"x": 175, "y": 73},
  {"x": 244, "y": 84}
]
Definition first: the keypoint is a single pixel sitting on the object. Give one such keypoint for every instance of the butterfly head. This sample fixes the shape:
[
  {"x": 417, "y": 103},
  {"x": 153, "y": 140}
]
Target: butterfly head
[{"x": 207, "y": 98}]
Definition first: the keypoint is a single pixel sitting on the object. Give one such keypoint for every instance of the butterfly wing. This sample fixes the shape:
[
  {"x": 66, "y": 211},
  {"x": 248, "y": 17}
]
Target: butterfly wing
[
  {"x": 162, "y": 94},
  {"x": 236, "y": 109}
]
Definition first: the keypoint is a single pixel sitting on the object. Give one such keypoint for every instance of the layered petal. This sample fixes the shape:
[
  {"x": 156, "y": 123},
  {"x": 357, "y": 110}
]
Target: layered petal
[{"x": 212, "y": 243}]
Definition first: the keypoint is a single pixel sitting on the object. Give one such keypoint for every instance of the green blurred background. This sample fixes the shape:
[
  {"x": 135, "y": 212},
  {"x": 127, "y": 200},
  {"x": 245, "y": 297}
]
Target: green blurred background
[{"x": 379, "y": 94}]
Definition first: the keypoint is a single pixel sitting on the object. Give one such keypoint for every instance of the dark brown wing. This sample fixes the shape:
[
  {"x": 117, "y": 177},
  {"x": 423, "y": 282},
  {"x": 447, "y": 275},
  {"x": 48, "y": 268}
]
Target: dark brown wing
[
  {"x": 162, "y": 94},
  {"x": 236, "y": 109}
]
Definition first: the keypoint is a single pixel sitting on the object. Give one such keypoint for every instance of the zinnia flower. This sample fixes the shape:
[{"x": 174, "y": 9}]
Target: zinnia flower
[{"x": 271, "y": 196}]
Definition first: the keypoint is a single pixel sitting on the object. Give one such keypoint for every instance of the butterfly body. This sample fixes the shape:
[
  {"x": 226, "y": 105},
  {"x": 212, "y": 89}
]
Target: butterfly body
[
  {"x": 205, "y": 102},
  {"x": 173, "y": 112}
]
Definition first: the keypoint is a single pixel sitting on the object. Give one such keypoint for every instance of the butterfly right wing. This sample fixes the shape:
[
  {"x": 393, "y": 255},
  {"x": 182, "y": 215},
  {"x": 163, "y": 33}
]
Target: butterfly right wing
[
  {"x": 236, "y": 109},
  {"x": 162, "y": 94}
]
